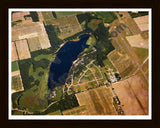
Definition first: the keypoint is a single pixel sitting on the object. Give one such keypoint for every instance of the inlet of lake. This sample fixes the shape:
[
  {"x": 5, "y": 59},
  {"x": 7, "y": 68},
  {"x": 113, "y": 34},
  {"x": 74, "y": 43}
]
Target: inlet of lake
[{"x": 64, "y": 57}]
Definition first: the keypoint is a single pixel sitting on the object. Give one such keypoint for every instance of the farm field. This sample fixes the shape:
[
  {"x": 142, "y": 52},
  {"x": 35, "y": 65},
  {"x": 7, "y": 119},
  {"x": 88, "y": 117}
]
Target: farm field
[
  {"x": 55, "y": 113},
  {"x": 98, "y": 101},
  {"x": 63, "y": 14},
  {"x": 137, "y": 41},
  {"x": 68, "y": 26},
  {"x": 81, "y": 110},
  {"x": 14, "y": 52},
  {"x": 133, "y": 95},
  {"x": 34, "y": 44},
  {"x": 93, "y": 24},
  {"x": 15, "y": 66},
  {"x": 142, "y": 22},
  {"x": 22, "y": 49},
  {"x": 48, "y": 17},
  {"x": 17, "y": 83}
]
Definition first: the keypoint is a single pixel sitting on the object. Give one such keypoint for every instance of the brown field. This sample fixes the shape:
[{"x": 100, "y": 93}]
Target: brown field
[
  {"x": 133, "y": 95},
  {"x": 19, "y": 15},
  {"x": 142, "y": 22},
  {"x": 34, "y": 44},
  {"x": 15, "y": 73},
  {"x": 131, "y": 24},
  {"x": 68, "y": 26},
  {"x": 80, "y": 110},
  {"x": 22, "y": 49},
  {"x": 145, "y": 67},
  {"x": 98, "y": 101},
  {"x": 17, "y": 83},
  {"x": 14, "y": 52},
  {"x": 31, "y": 30},
  {"x": 137, "y": 41}
]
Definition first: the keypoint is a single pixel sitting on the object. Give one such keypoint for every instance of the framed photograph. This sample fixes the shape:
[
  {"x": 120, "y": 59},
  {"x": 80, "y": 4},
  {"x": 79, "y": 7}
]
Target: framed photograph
[{"x": 80, "y": 63}]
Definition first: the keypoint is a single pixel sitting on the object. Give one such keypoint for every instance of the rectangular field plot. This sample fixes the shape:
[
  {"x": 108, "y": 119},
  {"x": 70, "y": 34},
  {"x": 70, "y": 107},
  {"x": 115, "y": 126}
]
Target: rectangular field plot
[
  {"x": 98, "y": 101},
  {"x": 133, "y": 95},
  {"x": 63, "y": 14},
  {"x": 15, "y": 66},
  {"x": 14, "y": 52},
  {"x": 34, "y": 44},
  {"x": 23, "y": 50},
  {"x": 17, "y": 83},
  {"x": 81, "y": 110}
]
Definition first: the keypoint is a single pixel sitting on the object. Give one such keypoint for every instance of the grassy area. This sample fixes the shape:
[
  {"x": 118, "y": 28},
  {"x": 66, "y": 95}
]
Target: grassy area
[
  {"x": 35, "y": 98},
  {"x": 15, "y": 66},
  {"x": 108, "y": 64},
  {"x": 55, "y": 113},
  {"x": 62, "y": 14},
  {"x": 93, "y": 24},
  {"x": 142, "y": 53},
  {"x": 108, "y": 17},
  {"x": 44, "y": 56},
  {"x": 16, "y": 83},
  {"x": 14, "y": 112},
  {"x": 48, "y": 17}
]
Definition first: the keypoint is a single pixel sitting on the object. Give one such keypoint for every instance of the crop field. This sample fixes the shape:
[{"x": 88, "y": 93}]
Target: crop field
[
  {"x": 48, "y": 17},
  {"x": 55, "y": 113},
  {"x": 68, "y": 26},
  {"x": 131, "y": 24},
  {"x": 34, "y": 44},
  {"x": 133, "y": 95},
  {"x": 17, "y": 83},
  {"x": 32, "y": 30},
  {"x": 142, "y": 22},
  {"x": 138, "y": 41},
  {"x": 122, "y": 62},
  {"x": 142, "y": 53},
  {"x": 15, "y": 66},
  {"x": 98, "y": 101},
  {"x": 63, "y": 14},
  {"x": 14, "y": 52},
  {"x": 22, "y": 49},
  {"x": 81, "y": 110}
]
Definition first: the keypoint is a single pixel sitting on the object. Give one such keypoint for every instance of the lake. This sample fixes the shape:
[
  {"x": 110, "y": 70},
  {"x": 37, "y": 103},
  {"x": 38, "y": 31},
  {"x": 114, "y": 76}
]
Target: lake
[{"x": 65, "y": 56}]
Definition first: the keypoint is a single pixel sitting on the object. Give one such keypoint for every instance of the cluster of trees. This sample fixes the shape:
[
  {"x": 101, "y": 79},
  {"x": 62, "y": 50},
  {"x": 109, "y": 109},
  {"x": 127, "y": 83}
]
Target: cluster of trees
[
  {"x": 134, "y": 15},
  {"x": 34, "y": 16}
]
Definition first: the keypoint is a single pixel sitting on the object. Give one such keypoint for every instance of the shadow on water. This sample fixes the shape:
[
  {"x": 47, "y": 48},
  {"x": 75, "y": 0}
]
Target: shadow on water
[{"x": 65, "y": 56}]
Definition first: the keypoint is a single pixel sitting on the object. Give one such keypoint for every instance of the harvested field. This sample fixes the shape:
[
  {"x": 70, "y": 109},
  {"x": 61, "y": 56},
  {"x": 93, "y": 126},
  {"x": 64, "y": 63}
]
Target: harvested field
[
  {"x": 14, "y": 52},
  {"x": 68, "y": 26},
  {"x": 15, "y": 73},
  {"x": 17, "y": 83},
  {"x": 81, "y": 110},
  {"x": 142, "y": 22},
  {"x": 19, "y": 15},
  {"x": 131, "y": 24},
  {"x": 133, "y": 95},
  {"x": 98, "y": 101},
  {"x": 122, "y": 62},
  {"x": 34, "y": 44},
  {"x": 63, "y": 14},
  {"x": 22, "y": 49},
  {"x": 32, "y": 30},
  {"x": 137, "y": 41}
]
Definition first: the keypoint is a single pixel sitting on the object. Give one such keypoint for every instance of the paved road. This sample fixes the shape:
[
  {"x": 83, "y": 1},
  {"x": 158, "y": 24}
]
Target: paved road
[{"x": 139, "y": 67}]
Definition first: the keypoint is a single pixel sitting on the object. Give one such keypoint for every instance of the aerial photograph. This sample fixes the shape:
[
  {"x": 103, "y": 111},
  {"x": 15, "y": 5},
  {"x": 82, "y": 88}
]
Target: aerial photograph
[{"x": 79, "y": 63}]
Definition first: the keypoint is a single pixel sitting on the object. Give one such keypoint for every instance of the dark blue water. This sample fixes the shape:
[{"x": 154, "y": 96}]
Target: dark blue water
[{"x": 65, "y": 56}]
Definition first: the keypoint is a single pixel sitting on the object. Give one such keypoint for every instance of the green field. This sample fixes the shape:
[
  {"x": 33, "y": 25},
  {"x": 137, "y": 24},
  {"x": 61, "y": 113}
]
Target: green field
[
  {"x": 15, "y": 66},
  {"x": 55, "y": 113},
  {"x": 44, "y": 56},
  {"x": 62, "y": 14},
  {"x": 142, "y": 53},
  {"x": 48, "y": 17},
  {"x": 16, "y": 83},
  {"x": 35, "y": 98},
  {"x": 108, "y": 17}
]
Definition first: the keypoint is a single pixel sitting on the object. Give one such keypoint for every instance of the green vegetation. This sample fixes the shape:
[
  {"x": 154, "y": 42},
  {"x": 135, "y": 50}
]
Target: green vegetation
[
  {"x": 62, "y": 14},
  {"x": 108, "y": 64},
  {"x": 16, "y": 22},
  {"x": 44, "y": 56},
  {"x": 93, "y": 24},
  {"x": 48, "y": 17},
  {"x": 34, "y": 16},
  {"x": 142, "y": 53},
  {"x": 55, "y": 113},
  {"x": 108, "y": 17},
  {"x": 16, "y": 83},
  {"x": 35, "y": 98},
  {"x": 134, "y": 15},
  {"x": 15, "y": 66},
  {"x": 15, "y": 112}
]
